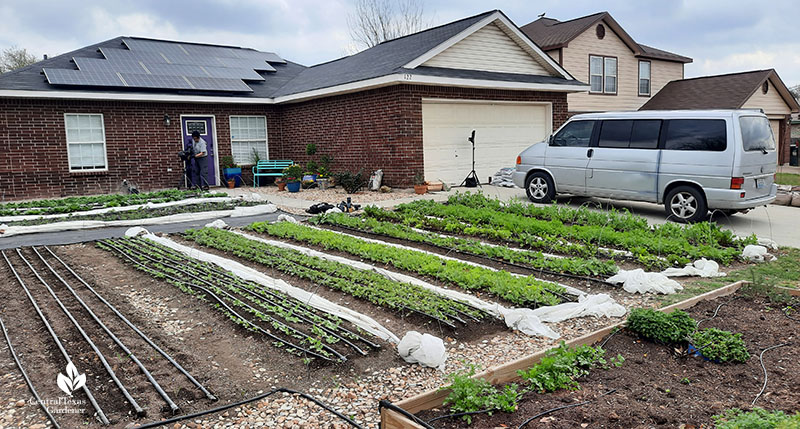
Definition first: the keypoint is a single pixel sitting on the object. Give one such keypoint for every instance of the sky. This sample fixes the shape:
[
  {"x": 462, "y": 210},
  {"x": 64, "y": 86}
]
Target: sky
[{"x": 721, "y": 36}]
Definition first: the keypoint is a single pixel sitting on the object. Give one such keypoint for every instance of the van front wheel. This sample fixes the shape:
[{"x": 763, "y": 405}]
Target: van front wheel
[
  {"x": 540, "y": 188},
  {"x": 686, "y": 204}
]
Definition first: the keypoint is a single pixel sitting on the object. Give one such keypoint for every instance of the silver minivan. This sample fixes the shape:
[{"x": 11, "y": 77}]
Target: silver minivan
[{"x": 691, "y": 161}]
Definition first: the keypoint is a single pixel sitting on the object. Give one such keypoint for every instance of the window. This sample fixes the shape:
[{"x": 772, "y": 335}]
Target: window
[
  {"x": 638, "y": 134},
  {"x": 248, "y": 135},
  {"x": 603, "y": 74},
  {"x": 696, "y": 134},
  {"x": 574, "y": 134},
  {"x": 644, "y": 78},
  {"x": 610, "y": 75},
  {"x": 86, "y": 141},
  {"x": 756, "y": 133}
]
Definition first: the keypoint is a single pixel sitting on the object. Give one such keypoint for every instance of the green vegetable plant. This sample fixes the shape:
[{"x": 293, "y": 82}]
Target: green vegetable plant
[
  {"x": 563, "y": 365},
  {"x": 720, "y": 346},
  {"x": 665, "y": 328},
  {"x": 468, "y": 394},
  {"x": 351, "y": 182},
  {"x": 757, "y": 418},
  {"x": 517, "y": 290}
]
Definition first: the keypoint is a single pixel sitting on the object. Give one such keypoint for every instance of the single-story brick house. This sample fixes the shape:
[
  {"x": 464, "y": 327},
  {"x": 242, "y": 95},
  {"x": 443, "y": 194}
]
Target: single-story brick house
[
  {"x": 758, "y": 89},
  {"x": 83, "y": 122}
]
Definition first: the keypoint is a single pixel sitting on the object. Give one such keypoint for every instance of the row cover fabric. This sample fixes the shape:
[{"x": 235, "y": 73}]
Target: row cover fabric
[
  {"x": 639, "y": 281},
  {"x": 756, "y": 253},
  {"x": 362, "y": 321},
  {"x": 700, "y": 268},
  {"x": 424, "y": 349},
  {"x": 588, "y": 305}
]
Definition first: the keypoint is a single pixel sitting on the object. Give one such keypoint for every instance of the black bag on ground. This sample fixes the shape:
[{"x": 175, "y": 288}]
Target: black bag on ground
[{"x": 319, "y": 208}]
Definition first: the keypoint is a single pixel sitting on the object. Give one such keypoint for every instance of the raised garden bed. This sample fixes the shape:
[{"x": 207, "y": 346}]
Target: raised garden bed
[{"x": 655, "y": 385}]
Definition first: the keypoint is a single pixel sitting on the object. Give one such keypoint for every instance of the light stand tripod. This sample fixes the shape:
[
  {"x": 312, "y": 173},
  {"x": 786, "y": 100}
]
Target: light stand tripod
[{"x": 471, "y": 180}]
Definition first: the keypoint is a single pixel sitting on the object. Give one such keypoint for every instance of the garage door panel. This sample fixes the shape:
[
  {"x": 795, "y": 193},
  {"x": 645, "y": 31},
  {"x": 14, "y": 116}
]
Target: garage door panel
[{"x": 502, "y": 132}]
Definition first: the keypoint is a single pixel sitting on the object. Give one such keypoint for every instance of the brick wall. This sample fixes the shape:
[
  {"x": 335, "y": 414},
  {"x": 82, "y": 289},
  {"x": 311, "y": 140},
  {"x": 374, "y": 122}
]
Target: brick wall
[
  {"x": 139, "y": 147},
  {"x": 381, "y": 128},
  {"x": 368, "y": 130}
]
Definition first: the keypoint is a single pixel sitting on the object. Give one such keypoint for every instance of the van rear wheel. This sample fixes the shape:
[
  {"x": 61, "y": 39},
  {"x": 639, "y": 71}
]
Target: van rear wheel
[
  {"x": 540, "y": 188},
  {"x": 686, "y": 204}
]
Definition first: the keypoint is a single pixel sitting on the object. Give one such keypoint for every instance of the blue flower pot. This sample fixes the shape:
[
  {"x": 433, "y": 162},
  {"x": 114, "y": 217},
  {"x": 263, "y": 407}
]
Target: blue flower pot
[{"x": 293, "y": 186}]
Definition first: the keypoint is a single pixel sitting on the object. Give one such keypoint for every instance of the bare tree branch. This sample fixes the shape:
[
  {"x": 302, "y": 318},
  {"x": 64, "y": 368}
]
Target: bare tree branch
[
  {"x": 375, "y": 21},
  {"x": 795, "y": 90},
  {"x": 14, "y": 58}
]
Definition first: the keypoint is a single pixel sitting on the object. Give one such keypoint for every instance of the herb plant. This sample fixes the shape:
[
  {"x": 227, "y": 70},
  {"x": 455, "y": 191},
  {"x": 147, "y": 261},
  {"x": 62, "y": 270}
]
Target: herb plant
[
  {"x": 666, "y": 328},
  {"x": 469, "y": 394},
  {"x": 562, "y": 366},
  {"x": 758, "y": 418},
  {"x": 720, "y": 346}
]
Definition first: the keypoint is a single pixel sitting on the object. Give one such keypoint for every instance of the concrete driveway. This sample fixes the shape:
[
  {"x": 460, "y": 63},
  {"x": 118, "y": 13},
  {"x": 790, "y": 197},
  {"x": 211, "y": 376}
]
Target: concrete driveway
[{"x": 779, "y": 223}]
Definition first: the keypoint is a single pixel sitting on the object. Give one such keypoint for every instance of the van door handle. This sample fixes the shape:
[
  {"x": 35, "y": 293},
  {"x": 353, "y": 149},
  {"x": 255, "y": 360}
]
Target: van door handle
[{"x": 589, "y": 153}]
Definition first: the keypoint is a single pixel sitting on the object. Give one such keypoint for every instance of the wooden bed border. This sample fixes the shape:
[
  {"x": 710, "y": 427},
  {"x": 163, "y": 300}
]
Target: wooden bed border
[{"x": 507, "y": 372}]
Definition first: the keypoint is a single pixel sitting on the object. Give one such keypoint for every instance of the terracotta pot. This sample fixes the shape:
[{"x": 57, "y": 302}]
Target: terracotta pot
[
  {"x": 231, "y": 184},
  {"x": 420, "y": 189},
  {"x": 281, "y": 185},
  {"x": 435, "y": 186}
]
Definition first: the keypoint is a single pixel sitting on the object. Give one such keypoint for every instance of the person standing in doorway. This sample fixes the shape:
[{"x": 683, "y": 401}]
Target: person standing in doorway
[{"x": 200, "y": 147}]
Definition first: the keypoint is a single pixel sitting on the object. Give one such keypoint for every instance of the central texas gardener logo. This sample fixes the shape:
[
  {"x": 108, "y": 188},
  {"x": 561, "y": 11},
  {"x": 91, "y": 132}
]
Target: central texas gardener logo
[{"x": 72, "y": 381}]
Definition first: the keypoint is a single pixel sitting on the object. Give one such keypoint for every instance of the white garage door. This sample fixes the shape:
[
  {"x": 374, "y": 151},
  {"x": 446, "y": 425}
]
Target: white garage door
[
  {"x": 776, "y": 126},
  {"x": 502, "y": 131}
]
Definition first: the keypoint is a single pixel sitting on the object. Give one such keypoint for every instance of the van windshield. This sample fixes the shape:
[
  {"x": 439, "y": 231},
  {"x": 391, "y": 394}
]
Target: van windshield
[{"x": 756, "y": 133}]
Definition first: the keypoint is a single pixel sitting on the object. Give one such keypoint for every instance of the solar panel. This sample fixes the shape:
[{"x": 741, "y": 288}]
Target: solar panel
[
  {"x": 108, "y": 66},
  {"x": 81, "y": 77},
  {"x": 244, "y": 63},
  {"x": 155, "y": 81},
  {"x": 215, "y": 84},
  {"x": 176, "y": 69},
  {"x": 171, "y": 50},
  {"x": 233, "y": 73},
  {"x": 126, "y": 55},
  {"x": 269, "y": 57}
]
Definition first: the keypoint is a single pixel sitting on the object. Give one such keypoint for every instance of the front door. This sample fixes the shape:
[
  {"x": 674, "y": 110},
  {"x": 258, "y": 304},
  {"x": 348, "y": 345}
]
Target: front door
[{"x": 205, "y": 126}]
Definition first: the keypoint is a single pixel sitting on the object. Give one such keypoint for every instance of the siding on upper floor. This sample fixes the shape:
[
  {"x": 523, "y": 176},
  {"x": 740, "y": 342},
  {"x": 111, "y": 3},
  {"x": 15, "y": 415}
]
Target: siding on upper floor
[
  {"x": 771, "y": 102},
  {"x": 576, "y": 61},
  {"x": 488, "y": 49}
]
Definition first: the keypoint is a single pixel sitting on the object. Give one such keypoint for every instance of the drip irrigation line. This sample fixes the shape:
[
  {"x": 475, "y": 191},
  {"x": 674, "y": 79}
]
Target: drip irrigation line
[
  {"x": 488, "y": 258},
  {"x": 544, "y": 413},
  {"x": 422, "y": 313},
  {"x": 386, "y": 404},
  {"x": 761, "y": 360},
  {"x": 134, "y": 328},
  {"x": 172, "y": 405},
  {"x": 609, "y": 337},
  {"x": 468, "y": 413},
  {"x": 61, "y": 348},
  {"x": 786, "y": 311},
  {"x": 218, "y": 299},
  {"x": 247, "y": 401},
  {"x": 263, "y": 290},
  {"x": 715, "y": 312},
  {"x": 176, "y": 266},
  {"x": 139, "y": 410},
  {"x": 25, "y": 376}
]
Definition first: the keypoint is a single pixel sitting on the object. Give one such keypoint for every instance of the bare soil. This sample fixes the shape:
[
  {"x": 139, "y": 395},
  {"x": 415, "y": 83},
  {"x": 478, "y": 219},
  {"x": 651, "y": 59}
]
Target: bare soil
[{"x": 657, "y": 387}]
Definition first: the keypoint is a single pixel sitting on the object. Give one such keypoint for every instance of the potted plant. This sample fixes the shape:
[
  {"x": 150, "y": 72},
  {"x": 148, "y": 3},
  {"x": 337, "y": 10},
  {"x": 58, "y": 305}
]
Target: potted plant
[
  {"x": 281, "y": 183},
  {"x": 323, "y": 181},
  {"x": 231, "y": 171},
  {"x": 293, "y": 176},
  {"x": 231, "y": 183},
  {"x": 419, "y": 184}
]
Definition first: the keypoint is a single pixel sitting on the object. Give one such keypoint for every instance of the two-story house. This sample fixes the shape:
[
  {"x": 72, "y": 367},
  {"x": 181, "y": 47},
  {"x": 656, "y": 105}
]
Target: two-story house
[{"x": 622, "y": 73}]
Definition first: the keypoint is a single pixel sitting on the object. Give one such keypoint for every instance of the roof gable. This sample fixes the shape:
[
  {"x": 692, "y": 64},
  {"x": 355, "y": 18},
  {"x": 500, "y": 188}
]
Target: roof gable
[
  {"x": 489, "y": 49},
  {"x": 728, "y": 91}
]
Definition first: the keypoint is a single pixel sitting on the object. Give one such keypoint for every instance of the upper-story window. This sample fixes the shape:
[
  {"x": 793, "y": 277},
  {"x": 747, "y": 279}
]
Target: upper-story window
[
  {"x": 644, "y": 78},
  {"x": 603, "y": 74}
]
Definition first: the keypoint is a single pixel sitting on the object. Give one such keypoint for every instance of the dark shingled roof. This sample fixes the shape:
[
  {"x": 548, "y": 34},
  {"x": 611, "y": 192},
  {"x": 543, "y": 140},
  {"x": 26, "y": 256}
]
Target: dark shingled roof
[
  {"x": 551, "y": 33},
  {"x": 727, "y": 91}
]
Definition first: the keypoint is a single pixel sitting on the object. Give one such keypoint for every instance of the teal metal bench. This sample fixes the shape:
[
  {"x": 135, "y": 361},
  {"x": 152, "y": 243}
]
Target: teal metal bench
[{"x": 270, "y": 168}]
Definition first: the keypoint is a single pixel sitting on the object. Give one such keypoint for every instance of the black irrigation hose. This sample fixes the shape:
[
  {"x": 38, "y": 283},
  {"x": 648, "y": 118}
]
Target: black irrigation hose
[
  {"x": 761, "y": 360},
  {"x": 25, "y": 376},
  {"x": 247, "y": 401},
  {"x": 172, "y": 405},
  {"x": 468, "y": 413},
  {"x": 61, "y": 348},
  {"x": 221, "y": 302},
  {"x": 609, "y": 337},
  {"x": 544, "y": 413},
  {"x": 265, "y": 291},
  {"x": 135, "y": 329},
  {"x": 715, "y": 312},
  {"x": 139, "y": 410},
  {"x": 388, "y": 405},
  {"x": 499, "y": 261},
  {"x": 176, "y": 266}
]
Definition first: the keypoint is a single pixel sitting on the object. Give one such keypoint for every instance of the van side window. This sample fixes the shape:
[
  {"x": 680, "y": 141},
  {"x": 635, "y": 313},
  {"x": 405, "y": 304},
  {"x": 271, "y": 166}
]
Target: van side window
[
  {"x": 756, "y": 133},
  {"x": 637, "y": 134},
  {"x": 574, "y": 134},
  {"x": 696, "y": 134}
]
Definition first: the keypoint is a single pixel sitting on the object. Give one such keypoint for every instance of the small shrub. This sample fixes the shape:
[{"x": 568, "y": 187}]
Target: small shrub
[
  {"x": 562, "y": 365},
  {"x": 293, "y": 173},
  {"x": 719, "y": 345},
  {"x": 661, "y": 327},
  {"x": 351, "y": 183},
  {"x": 758, "y": 418},
  {"x": 469, "y": 395}
]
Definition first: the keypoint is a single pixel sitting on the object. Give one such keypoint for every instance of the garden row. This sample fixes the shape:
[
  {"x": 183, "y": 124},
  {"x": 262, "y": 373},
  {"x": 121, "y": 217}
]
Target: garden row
[
  {"x": 86, "y": 203},
  {"x": 519, "y": 290},
  {"x": 287, "y": 322},
  {"x": 561, "y": 230}
]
